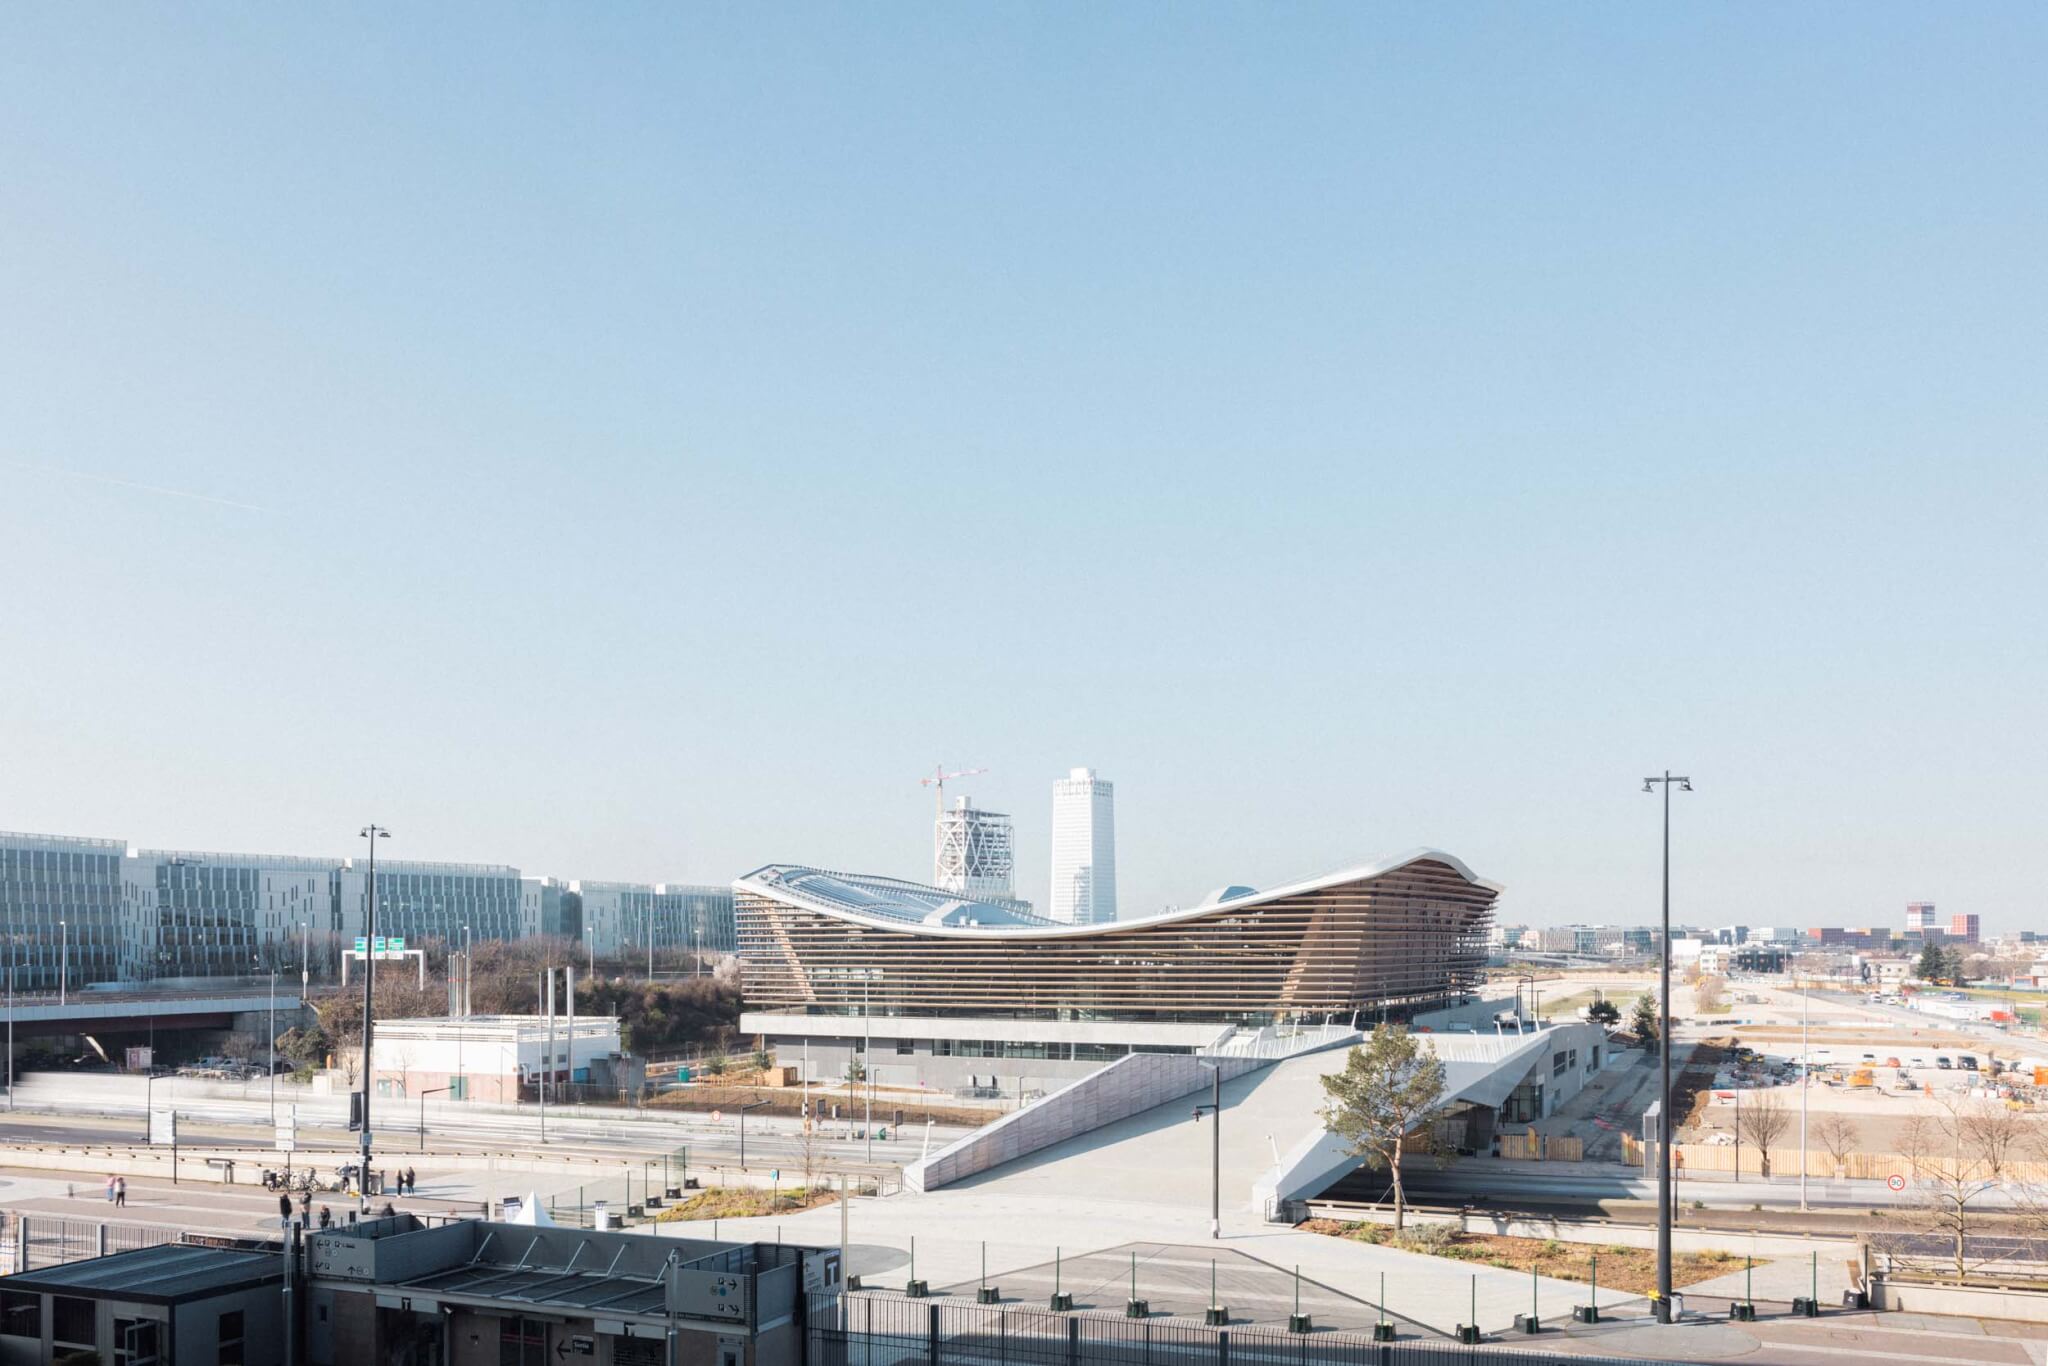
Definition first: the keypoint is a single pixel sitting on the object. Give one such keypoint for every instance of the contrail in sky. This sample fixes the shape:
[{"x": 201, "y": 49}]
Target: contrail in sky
[{"x": 132, "y": 484}]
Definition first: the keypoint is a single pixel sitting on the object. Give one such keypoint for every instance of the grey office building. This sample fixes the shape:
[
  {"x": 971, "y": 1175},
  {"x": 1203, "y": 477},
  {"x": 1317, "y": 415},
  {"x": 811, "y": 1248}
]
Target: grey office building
[{"x": 61, "y": 909}]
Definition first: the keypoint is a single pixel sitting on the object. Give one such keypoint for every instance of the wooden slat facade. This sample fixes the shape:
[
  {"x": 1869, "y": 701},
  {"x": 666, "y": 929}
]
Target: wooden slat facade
[{"x": 1414, "y": 934}]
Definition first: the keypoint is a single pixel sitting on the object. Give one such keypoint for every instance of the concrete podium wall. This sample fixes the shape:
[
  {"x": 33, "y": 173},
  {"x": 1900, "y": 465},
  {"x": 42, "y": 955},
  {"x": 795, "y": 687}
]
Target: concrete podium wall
[{"x": 1129, "y": 1086}]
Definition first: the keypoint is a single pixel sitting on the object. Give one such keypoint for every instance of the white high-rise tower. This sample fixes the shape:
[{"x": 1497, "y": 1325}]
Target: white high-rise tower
[{"x": 1083, "y": 849}]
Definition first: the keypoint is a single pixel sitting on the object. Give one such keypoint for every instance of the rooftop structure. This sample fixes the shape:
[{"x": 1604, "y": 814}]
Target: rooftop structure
[{"x": 972, "y": 852}]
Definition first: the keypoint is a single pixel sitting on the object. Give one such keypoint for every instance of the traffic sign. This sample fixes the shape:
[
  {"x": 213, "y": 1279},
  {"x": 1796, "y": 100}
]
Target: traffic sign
[
  {"x": 717, "y": 1115},
  {"x": 361, "y": 944},
  {"x": 394, "y": 944},
  {"x": 1896, "y": 1182},
  {"x": 163, "y": 1126},
  {"x": 286, "y": 1143}
]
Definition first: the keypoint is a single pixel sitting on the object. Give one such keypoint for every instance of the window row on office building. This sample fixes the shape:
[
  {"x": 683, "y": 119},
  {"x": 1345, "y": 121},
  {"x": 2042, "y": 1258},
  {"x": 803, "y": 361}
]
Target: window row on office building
[{"x": 77, "y": 911}]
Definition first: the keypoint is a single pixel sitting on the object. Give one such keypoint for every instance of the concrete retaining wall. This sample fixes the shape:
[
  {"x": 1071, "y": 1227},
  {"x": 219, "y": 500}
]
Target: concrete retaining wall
[
  {"x": 1131, "y": 1085},
  {"x": 1969, "y": 1301}
]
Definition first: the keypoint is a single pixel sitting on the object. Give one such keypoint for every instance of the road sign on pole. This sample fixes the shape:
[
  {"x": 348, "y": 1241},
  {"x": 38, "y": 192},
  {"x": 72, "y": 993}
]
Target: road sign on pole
[{"x": 163, "y": 1126}]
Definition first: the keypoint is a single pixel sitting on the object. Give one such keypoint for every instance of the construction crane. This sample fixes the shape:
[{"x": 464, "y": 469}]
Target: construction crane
[{"x": 938, "y": 779}]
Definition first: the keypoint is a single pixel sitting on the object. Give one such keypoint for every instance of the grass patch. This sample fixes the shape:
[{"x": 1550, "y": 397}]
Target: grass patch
[
  {"x": 1631, "y": 1270},
  {"x": 743, "y": 1202}
]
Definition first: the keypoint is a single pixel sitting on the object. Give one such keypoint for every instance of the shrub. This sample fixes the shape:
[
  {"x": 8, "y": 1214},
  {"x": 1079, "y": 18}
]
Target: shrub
[{"x": 1431, "y": 1238}]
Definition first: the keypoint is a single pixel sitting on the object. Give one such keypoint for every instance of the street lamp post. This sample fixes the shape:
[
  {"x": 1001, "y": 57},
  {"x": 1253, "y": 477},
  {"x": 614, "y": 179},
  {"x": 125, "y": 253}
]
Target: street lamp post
[
  {"x": 461, "y": 1077},
  {"x": 1215, "y": 1109},
  {"x": 372, "y": 833},
  {"x": 273, "y": 1046},
  {"x": 750, "y": 1105},
  {"x": 431, "y": 1091},
  {"x": 1665, "y": 1128},
  {"x": 1805, "y": 1066}
]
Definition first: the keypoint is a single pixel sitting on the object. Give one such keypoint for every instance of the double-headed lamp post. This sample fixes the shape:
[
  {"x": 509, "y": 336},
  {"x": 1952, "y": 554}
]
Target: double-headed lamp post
[
  {"x": 1664, "y": 1125},
  {"x": 372, "y": 833}
]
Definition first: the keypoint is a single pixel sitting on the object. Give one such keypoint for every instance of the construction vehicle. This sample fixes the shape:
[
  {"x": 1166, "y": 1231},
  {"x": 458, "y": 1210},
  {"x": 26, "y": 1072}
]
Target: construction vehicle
[{"x": 1862, "y": 1077}]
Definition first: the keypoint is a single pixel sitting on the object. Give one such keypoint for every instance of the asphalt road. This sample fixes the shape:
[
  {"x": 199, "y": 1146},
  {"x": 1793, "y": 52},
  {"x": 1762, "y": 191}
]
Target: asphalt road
[{"x": 236, "y": 1123}]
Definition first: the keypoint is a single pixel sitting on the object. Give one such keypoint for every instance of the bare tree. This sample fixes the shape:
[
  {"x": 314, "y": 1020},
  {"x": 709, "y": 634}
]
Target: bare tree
[
  {"x": 1707, "y": 995},
  {"x": 1761, "y": 1117},
  {"x": 1838, "y": 1134},
  {"x": 1960, "y": 1155}
]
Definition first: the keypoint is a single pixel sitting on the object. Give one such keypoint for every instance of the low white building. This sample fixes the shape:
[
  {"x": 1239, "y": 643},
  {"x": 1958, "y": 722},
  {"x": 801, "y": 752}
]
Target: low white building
[{"x": 490, "y": 1057}]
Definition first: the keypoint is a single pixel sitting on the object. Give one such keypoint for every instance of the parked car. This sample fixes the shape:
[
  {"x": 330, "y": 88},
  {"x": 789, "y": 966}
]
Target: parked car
[
  {"x": 1941, "y": 1060},
  {"x": 1967, "y": 1061}
]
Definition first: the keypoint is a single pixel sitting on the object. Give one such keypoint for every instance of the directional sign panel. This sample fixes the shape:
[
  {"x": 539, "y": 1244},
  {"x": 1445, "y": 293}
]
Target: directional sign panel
[{"x": 163, "y": 1126}]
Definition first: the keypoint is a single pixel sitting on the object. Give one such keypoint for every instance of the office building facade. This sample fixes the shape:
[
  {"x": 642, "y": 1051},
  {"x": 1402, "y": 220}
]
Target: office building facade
[
  {"x": 422, "y": 902},
  {"x": 202, "y": 914},
  {"x": 616, "y": 917},
  {"x": 62, "y": 910},
  {"x": 693, "y": 919},
  {"x": 1083, "y": 850}
]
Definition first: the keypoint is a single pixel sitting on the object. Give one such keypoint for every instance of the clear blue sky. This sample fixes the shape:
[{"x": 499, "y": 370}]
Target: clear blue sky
[{"x": 648, "y": 437}]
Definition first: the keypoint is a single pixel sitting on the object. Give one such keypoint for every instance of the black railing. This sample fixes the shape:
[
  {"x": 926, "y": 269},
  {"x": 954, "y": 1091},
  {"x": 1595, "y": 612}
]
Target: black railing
[{"x": 870, "y": 1329}]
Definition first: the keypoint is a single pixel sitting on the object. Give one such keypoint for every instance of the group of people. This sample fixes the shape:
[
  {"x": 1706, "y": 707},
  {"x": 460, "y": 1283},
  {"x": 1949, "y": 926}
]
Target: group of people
[
  {"x": 408, "y": 1184},
  {"x": 117, "y": 1190}
]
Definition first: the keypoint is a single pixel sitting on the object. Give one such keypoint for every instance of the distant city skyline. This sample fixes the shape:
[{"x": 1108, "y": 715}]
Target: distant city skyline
[{"x": 641, "y": 442}]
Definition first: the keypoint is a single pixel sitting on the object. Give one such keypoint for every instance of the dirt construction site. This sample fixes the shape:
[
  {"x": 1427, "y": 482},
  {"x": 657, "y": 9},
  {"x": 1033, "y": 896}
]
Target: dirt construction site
[{"x": 1878, "y": 1071}]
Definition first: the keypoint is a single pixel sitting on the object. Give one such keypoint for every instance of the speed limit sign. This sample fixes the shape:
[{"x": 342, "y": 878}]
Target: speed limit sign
[
  {"x": 1897, "y": 1183},
  {"x": 717, "y": 1115}
]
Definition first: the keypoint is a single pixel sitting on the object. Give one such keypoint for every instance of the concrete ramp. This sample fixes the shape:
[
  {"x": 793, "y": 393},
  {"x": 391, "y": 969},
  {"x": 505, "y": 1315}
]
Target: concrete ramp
[
  {"x": 1274, "y": 1146},
  {"x": 1162, "y": 1155},
  {"x": 1132, "y": 1086}
]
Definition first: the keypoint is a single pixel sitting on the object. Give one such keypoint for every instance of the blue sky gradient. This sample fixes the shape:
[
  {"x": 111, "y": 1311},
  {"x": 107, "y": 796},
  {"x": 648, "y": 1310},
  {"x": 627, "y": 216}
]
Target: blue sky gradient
[{"x": 649, "y": 437}]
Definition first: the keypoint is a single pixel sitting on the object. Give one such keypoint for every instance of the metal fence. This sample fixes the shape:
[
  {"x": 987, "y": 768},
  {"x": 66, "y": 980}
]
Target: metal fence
[
  {"x": 39, "y": 1240},
  {"x": 866, "y": 1329}
]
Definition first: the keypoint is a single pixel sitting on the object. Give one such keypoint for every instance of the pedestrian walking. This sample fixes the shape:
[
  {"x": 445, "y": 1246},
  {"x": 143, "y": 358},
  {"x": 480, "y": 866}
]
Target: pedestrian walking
[
  {"x": 326, "y": 1217},
  {"x": 284, "y": 1210},
  {"x": 120, "y": 1192},
  {"x": 412, "y": 1182},
  {"x": 306, "y": 1206},
  {"x": 110, "y": 1188}
]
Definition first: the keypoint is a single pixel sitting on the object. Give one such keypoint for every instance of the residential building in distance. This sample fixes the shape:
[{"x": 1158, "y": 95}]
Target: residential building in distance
[
  {"x": 1854, "y": 937},
  {"x": 1083, "y": 849},
  {"x": 1919, "y": 916},
  {"x": 1967, "y": 928}
]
